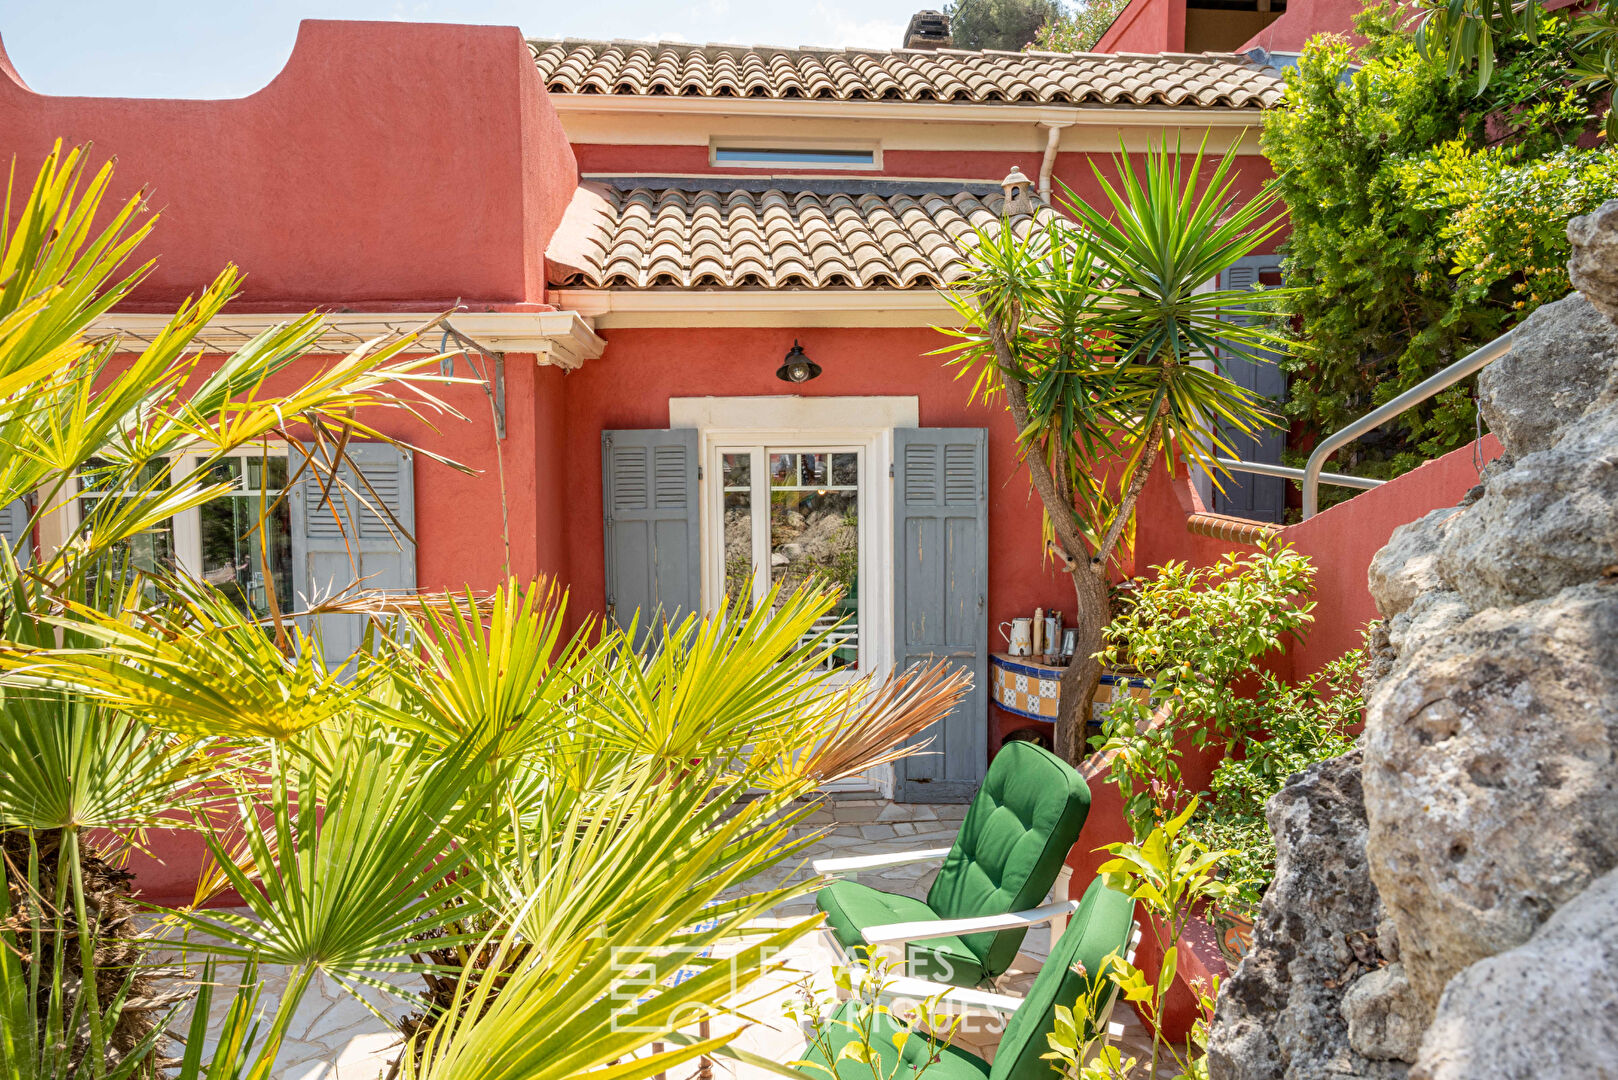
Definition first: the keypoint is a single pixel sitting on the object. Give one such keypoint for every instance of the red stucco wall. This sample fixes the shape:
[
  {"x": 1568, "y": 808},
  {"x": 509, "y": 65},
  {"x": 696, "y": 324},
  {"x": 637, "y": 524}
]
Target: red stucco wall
[
  {"x": 1146, "y": 26},
  {"x": 629, "y": 387},
  {"x": 1341, "y": 541},
  {"x": 388, "y": 163},
  {"x": 1302, "y": 20}
]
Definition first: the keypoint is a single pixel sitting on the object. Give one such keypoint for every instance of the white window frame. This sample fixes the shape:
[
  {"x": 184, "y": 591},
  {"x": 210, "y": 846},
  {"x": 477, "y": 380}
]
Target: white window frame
[
  {"x": 713, "y": 523},
  {"x": 766, "y": 143},
  {"x": 187, "y": 537}
]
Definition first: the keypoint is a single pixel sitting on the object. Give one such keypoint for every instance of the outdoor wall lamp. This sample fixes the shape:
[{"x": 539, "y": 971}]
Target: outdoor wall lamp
[{"x": 797, "y": 367}]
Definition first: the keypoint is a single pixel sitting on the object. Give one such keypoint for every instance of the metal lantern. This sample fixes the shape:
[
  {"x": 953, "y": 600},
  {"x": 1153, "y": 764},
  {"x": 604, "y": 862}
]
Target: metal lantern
[{"x": 797, "y": 368}]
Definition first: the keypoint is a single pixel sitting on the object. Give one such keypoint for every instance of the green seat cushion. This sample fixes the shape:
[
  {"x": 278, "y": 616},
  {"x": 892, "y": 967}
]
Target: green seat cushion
[
  {"x": 1017, "y": 833},
  {"x": 953, "y": 1064},
  {"x": 850, "y": 907},
  {"x": 1102, "y": 926}
]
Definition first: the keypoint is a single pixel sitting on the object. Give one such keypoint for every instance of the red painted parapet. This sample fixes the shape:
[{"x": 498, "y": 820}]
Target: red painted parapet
[
  {"x": 1341, "y": 542},
  {"x": 388, "y": 164}
]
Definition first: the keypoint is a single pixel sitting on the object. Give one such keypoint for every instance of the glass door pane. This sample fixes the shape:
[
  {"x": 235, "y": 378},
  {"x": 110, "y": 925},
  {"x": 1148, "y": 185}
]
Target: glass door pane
[
  {"x": 814, "y": 532},
  {"x": 740, "y": 577}
]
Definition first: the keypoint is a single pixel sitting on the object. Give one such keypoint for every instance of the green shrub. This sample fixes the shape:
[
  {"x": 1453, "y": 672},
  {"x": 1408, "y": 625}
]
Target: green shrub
[
  {"x": 1197, "y": 632},
  {"x": 1426, "y": 219},
  {"x": 1304, "y": 723}
]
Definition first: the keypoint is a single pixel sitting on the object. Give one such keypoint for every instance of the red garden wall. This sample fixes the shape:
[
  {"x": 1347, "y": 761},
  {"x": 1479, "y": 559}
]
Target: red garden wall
[
  {"x": 388, "y": 163},
  {"x": 1341, "y": 542}
]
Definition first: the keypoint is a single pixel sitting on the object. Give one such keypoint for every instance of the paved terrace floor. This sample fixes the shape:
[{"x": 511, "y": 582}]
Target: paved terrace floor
[{"x": 334, "y": 1037}]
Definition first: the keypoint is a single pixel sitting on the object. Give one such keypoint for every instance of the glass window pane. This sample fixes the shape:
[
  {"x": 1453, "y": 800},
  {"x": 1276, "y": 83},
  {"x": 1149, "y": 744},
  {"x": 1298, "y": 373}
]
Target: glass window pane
[
  {"x": 845, "y": 470},
  {"x": 738, "y": 470},
  {"x": 103, "y": 492},
  {"x": 783, "y": 470},
  {"x": 234, "y": 550},
  {"x": 814, "y": 533},
  {"x": 794, "y": 156}
]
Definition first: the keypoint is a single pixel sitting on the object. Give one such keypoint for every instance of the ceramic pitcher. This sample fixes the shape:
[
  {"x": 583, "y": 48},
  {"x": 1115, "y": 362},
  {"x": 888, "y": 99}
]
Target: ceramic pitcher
[{"x": 1020, "y": 637}]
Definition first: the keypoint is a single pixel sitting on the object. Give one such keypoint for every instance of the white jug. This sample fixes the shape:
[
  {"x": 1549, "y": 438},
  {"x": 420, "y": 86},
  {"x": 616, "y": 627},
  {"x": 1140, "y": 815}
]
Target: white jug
[{"x": 1020, "y": 639}]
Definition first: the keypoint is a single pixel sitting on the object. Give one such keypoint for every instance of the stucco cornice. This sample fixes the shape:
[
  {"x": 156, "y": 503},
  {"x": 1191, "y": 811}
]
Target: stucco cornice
[
  {"x": 560, "y": 338},
  {"x": 611, "y": 309}
]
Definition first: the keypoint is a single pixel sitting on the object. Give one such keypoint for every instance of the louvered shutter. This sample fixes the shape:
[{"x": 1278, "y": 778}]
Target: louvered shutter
[
  {"x": 1259, "y": 498},
  {"x": 340, "y": 539},
  {"x": 14, "y": 530},
  {"x": 941, "y": 569},
  {"x": 649, "y": 501}
]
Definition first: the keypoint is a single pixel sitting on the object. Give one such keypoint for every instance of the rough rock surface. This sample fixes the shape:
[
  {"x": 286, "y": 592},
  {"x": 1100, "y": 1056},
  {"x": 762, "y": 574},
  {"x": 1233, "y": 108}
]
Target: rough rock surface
[
  {"x": 1408, "y": 565},
  {"x": 1491, "y": 767},
  {"x": 1564, "y": 361},
  {"x": 1280, "y": 1014},
  {"x": 1489, "y": 763},
  {"x": 1546, "y": 523},
  {"x": 1546, "y": 1010},
  {"x": 1594, "y": 265},
  {"x": 1384, "y": 1016}
]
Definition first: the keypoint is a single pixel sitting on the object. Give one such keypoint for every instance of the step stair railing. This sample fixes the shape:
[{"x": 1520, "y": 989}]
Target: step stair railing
[{"x": 1311, "y": 476}]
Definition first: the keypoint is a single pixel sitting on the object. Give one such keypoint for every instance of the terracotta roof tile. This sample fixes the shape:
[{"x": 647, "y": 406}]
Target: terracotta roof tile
[
  {"x": 677, "y": 69},
  {"x": 647, "y": 237}
]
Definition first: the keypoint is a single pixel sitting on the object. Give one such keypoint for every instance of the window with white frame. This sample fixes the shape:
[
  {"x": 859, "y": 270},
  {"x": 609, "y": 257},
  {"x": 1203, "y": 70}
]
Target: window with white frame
[{"x": 220, "y": 541}]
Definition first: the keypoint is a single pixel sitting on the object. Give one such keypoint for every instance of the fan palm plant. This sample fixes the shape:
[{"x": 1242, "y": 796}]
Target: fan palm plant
[
  {"x": 471, "y": 799},
  {"x": 1092, "y": 329}
]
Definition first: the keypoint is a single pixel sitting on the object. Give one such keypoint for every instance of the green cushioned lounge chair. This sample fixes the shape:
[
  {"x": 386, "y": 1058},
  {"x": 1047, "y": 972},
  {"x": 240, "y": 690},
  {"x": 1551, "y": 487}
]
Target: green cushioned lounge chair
[
  {"x": 1011, "y": 846},
  {"x": 1104, "y": 925}
]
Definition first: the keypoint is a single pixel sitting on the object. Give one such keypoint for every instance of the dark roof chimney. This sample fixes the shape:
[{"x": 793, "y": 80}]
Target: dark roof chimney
[{"x": 928, "y": 30}]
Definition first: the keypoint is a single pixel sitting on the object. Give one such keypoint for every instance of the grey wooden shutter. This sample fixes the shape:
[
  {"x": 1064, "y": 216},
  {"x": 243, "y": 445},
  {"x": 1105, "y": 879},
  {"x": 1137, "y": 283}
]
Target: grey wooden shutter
[
  {"x": 649, "y": 503},
  {"x": 941, "y": 570},
  {"x": 14, "y": 530},
  {"x": 340, "y": 539},
  {"x": 1259, "y": 498}
]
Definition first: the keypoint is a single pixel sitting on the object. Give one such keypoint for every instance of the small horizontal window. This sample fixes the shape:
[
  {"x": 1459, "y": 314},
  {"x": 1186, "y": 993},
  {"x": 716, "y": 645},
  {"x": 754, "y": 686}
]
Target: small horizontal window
[{"x": 737, "y": 155}]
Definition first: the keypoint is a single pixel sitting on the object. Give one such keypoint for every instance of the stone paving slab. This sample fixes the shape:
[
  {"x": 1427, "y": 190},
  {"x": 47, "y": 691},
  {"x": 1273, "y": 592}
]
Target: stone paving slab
[{"x": 335, "y": 1037}]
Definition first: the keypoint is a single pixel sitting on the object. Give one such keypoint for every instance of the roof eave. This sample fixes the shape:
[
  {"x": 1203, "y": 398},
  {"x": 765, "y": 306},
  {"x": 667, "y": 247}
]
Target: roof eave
[{"x": 1223, "y": 116}]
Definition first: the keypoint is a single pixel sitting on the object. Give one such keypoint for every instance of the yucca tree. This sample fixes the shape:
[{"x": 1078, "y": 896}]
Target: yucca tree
[{"x": 1091, "y": 329}]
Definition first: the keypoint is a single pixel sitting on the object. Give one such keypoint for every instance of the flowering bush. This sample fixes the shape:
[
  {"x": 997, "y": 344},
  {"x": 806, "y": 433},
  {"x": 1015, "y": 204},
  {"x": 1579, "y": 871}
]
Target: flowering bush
[{"x": 1504, "y": 219}]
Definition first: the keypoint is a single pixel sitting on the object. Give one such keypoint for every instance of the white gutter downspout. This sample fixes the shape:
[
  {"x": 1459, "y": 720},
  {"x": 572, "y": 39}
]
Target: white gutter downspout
[{"x": 1053, "y": 139}]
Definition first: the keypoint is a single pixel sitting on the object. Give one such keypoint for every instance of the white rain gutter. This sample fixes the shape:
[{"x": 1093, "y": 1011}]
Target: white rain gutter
[{"x": 1053, "y": 140}]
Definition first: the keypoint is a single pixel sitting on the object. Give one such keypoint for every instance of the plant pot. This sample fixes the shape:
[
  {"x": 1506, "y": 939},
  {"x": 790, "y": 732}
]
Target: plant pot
[{"x": 1233, "y": 928}]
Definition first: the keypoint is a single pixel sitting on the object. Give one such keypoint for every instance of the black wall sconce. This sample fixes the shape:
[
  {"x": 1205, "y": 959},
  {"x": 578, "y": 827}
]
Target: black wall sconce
[{"x": 797, "y": 367}]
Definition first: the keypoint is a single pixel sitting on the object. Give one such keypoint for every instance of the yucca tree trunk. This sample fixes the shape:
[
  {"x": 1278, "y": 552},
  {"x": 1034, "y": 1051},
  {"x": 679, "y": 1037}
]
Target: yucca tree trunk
[{"x": 1093, "y": 611}]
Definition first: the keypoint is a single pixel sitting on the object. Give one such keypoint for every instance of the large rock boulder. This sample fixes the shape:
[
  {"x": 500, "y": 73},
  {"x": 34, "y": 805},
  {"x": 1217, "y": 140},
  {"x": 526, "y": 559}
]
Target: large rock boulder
[
  {"x": 1563, "y": 361},
  {"x": 1546, "y": 1010},
  {"x": 1281, "y": 1014},
  {"x": 1548, "y": 522},
  {"x": 1491, "y": 778},
  {"x": 1594, "y": 265},
  {"x": 1408, "y": 565},
  {"x": 1483, "y": 822}
]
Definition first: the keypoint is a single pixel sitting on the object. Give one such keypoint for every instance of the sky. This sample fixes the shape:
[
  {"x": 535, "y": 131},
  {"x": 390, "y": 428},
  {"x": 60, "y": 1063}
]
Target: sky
[{"x": 227, "y": 48}]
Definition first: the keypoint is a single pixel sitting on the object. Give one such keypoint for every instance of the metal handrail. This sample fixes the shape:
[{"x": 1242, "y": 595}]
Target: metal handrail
[
  {"x": 1286, "y": 472},
  {"x": 1473, "y": 362}
]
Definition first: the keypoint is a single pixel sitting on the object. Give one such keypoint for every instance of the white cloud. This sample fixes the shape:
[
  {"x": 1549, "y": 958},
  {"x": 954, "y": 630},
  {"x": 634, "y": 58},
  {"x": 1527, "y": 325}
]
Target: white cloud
[{"x": 838, "y": 28}]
